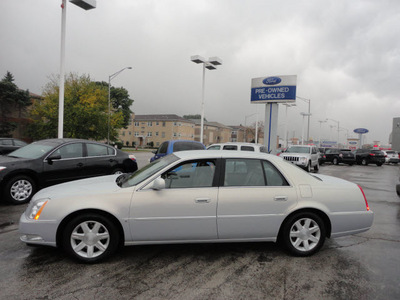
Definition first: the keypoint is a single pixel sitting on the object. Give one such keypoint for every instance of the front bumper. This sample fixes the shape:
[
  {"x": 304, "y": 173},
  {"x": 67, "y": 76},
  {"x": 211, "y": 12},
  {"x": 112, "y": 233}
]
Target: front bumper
[{"x": 37, "y": 232}]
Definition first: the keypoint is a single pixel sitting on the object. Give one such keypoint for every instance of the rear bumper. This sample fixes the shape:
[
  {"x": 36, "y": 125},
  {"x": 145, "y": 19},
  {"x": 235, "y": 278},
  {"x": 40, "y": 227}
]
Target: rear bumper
[{"x": 351, "y": 223}]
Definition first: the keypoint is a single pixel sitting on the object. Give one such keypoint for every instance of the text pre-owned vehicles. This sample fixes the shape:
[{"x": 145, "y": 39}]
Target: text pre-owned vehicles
[
  {"x": 8, "y": 145},
  {"x": 303, "y": 156},
  {"x": 172, "y": 146},
  {"x": 238, "y": 147},
  {"x": 337, "y": 156},
  {"x": 197, "y": 197},
  {"x": 48, "y": 162},
  {"x": 368, "y": 156}
]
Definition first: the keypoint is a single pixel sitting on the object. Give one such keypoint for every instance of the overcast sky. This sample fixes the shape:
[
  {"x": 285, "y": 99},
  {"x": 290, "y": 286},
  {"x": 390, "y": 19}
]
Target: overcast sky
[{"x": 346, "y": 55}]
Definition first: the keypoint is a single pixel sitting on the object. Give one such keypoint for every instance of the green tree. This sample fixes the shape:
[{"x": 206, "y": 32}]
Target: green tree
[
  {"x": 85, "y": 111},
  {"x": 120, "y": 101},
  {"x": 13, "y": 103}
]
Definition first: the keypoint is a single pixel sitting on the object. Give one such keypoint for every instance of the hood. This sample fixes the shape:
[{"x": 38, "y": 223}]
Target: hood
[
  {"x": 89, "y": 186},
  {"x": 8, "y": 160}
]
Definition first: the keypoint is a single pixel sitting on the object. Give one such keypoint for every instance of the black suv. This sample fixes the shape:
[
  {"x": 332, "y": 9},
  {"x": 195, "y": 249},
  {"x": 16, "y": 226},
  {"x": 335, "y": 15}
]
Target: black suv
[
  {"x": 368, "y": 156},
  {"x": 336, "y": 156}
]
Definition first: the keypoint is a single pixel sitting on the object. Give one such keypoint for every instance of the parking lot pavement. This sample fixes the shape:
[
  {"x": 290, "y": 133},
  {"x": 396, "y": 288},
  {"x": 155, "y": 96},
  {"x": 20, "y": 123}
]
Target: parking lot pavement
[{"x": 362, "y": 266}]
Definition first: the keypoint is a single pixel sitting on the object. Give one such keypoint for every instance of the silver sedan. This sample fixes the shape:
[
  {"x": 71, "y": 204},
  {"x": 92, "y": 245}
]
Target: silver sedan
[{"x": 197, "y": 197}]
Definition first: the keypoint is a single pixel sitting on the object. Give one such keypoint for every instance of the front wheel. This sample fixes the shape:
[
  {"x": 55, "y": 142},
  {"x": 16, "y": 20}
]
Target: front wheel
[
  {"x": 335, "y": 161},
  {"x": 316, "y": 167},
  {"x": 90, "y": 238},
  {"x": 308, "y": 168},
  {"x": 20, "y": 189},
  {"x": 364, "y": 162},
  {"x": 304, "y": 233}
]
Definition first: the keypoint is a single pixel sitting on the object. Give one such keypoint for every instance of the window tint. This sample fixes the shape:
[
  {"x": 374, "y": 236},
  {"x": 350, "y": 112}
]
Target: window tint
[
  {"x": 98, "y": 150},
  {"x": 183, "y": 146},
  {"x": 163, "y": 148},
  {"x": 19, "y": 143},
  {"x": 244, "y": 172},
  {"x": 6, "y": 142},
  {"x": 273, "y": 176},
  {"x": 247, "y": 148},
  {"x": 215, "y": 147},
  {"x": 70, "y": 151},
  {"x": 230, "y": 147},
  {"x": 190, "y": 174}
]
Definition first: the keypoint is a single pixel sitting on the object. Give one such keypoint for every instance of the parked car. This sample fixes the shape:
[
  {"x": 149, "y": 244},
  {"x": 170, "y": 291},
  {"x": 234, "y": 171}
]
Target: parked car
[
  {"x": 172, "y": 146},
  {"x": 321, "y": 156},
  {"x": 391, "y": 157},
  {"x": 303, "y": 156},
  {"x": 48, "y": 162},
  {"x": 368, "y": 156},
  {"x": 8, "y": 145},
  {"x": 337, "y": 156},
  {"x": 238, "y": 147},
  {"x": 197, "y": 197}
]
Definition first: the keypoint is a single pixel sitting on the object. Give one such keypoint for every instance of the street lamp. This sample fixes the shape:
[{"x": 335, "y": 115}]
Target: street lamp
[
  {"x": 337, "y": 129},
  {"x": 309, "y": 114},
  {"x": 245, "y": 128},
  {"x": 287, "y": 106},
  {"x": 320, "y": 127},
  {"x": 86, "y": 5},
  {"x": 302, "y": 127},
  {"x": 109, "y": 99},
  {"x": 210, "y": 65}
]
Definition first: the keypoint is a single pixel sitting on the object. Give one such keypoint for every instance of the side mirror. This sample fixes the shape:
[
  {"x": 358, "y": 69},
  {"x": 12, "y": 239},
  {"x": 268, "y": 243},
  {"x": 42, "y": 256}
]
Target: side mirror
[
  {"x": 53, "y": 157},
  {"x": 154, "y": 151},
  {"x": 158, "y": 184}
]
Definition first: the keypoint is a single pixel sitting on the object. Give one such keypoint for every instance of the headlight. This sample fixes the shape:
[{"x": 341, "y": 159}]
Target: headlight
[
  {"x": 303, "y": 160},
  {"x": 2, "y": 168},
  {"x": 36, "y": 208}
]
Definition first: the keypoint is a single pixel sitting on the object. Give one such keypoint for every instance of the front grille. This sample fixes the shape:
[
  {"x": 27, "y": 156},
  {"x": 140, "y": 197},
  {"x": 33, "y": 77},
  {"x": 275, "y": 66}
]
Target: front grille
[{"x": 291, "y": 158}]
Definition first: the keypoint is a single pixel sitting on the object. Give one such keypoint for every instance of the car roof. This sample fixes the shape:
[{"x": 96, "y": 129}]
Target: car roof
[
  {"x": 199, "y": 154},
  {"x": 55, "y": 142},
  {"x": 236, "y": 143}
]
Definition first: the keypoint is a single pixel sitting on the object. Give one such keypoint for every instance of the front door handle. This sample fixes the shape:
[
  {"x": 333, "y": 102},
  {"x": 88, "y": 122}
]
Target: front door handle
[
  {"x": 80, "y": 165},
  {"x": 280, "y": 198},
  {"x": 202, "y": 200}
]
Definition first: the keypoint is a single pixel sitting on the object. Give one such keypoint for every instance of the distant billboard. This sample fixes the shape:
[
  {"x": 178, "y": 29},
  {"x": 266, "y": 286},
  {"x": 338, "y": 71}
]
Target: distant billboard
[{"x": 273, "y": 89}]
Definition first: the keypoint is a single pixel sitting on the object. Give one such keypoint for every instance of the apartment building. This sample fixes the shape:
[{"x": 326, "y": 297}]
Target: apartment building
[{"x": 144, "y": 130}]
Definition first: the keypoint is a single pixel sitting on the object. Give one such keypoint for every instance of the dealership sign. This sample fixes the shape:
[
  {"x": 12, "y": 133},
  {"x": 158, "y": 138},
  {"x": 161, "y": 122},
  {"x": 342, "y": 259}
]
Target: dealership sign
[
  {"x": 361, "y": 130},
  {"x": 274, "y": 89}
]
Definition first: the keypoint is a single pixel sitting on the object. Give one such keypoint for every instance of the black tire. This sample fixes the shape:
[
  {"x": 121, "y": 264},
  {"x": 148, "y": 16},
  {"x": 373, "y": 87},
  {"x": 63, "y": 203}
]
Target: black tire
[
  {"x": 316, "y": 167},
  {"x": 379, "y": 164},
  {"x": 19, "y": 189},
  {"x": 303, "y": 234},
  {"x": 308, "y": 168},
  {"x": 118, "y": 171},
  {"x": 335, "y": 161},
  {"x": 398, "y": 189},
  {"x": 101, "y": 240},
  {"x": 364, "y": 162}
]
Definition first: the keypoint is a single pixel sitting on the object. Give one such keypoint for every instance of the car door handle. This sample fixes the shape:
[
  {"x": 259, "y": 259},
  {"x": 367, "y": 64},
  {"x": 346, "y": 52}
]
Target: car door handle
[
  {"x": 202, "y": 200},
  {"x": 80, "y": 165},
  {"x": 280, "y": 198}
]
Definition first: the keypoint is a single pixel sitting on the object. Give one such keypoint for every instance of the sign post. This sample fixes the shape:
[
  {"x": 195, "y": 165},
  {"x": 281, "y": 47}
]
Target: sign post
[{"x": 272, "y": 91}]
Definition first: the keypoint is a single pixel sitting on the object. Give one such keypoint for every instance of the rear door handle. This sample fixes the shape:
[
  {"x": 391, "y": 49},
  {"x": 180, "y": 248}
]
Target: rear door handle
[
  {"x": 202, "y": 200},
  {"x": 80, "y": 165},
  {"x": 280, "y": 198}
]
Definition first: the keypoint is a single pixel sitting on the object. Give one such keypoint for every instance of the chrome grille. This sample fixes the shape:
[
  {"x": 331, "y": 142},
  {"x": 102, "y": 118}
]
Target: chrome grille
[{"x": 291, "y": 158}]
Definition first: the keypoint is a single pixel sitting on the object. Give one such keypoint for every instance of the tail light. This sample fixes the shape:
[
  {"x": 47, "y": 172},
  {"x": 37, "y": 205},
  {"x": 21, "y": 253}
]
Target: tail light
[
  {"x": 131, "y": 156},
  {"x": 365, "y": 198},
  {"x": 372, "y": 154}
]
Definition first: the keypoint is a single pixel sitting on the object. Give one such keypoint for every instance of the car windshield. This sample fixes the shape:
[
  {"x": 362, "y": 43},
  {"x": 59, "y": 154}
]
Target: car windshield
[
  {"x": 146, "y": 171},
  {"x": 34, "y": 150},
  {"x": 298, "y": 149}
]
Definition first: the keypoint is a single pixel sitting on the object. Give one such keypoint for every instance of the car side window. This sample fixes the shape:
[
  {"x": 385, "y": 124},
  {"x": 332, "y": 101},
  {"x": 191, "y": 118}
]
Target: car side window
[
  {"x": 247, "y": 148},
  {"x": 70, "y": 151},
  {"x": 7, "y": 142},
  {"x": 244, "y": 172},
  {"x": 216, "y": 147},
  {"x": 19, "y": 143},
  {"x": 163, "y": 148},
  {"x": 98, "y": 150},
  {"x": 273, "y": 176},
  {"x": 190, "y": 174},
  {"x": 230, "y": 147}
]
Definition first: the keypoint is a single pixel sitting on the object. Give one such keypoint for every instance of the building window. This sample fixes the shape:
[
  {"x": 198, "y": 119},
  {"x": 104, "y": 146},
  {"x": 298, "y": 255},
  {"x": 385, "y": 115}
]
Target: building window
[
  {"x": 137, "y": 124},
  {"x": 149, "y": 134},
  {"x": 130, "y": 132},
  {"x": 157, "y": 123},
  {"x": 156, "y": 133},
  {"x": 175, "y": 123},
  {"x": 175, "y": 134},
  {"x": 163, "y": 134},
  {"x": 149, "y": 124},
  {"x": 163, "y": 124},
  {"x": 136, "y": 133},
  {"x": 123, "y": 133}
]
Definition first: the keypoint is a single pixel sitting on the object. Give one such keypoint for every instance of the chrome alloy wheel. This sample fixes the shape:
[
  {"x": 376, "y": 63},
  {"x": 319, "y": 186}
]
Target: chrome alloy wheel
[
  {"x": 21, "y": 190},
  {"x": 305, "y": 234},
  {"x": 90, "y": 239}
]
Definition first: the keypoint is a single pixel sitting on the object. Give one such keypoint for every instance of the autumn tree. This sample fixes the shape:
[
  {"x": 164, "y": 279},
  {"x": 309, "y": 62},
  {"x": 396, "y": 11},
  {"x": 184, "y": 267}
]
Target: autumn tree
[
  {"x": 13, "y": 103},
  {"x": 85, "y": 111}
]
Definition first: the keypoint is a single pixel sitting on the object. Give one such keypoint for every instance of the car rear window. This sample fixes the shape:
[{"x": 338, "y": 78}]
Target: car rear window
[
  {"x": 377, "y": 152},
  {"x": 183, "y": 146},
  {"x": 230, "y": 147},
  {"x": 247, "y": 148}
]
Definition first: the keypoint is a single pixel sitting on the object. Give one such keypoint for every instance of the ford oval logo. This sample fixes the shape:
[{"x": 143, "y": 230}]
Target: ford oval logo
[
  {"x": 361, "y": 130},
  {"x": 272, "y": 80}
]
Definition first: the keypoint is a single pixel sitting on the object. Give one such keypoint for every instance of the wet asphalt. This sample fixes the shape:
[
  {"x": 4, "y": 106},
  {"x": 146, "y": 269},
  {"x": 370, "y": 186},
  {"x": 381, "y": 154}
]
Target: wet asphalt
[{"x": 362, "y": 266}]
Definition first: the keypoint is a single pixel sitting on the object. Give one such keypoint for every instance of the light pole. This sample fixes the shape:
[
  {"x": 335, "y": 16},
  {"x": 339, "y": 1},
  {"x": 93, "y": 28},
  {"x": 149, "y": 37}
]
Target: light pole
[
  {"x": 309, "y": 114},
  {"x": 320, "y": 127},
  {"x": 286, "y": 121},
  {"x": 245, "y": 127},
  {"x": 112, "y": 76},
  {"x": 302, "y": 127},
  {"x": 210, "y": 65},
  {"x": 337, "y": 129},
  {"x": 86, "y": 5}
]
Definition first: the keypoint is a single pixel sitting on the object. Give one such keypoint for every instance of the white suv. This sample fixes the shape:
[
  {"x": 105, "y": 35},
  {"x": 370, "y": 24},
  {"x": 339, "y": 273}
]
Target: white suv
[
  {"x": 238, "y": 147},
  {"x": 304, "y": 156}
]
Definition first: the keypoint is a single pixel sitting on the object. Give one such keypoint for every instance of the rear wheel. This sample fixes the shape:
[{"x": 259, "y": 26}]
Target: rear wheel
[
  {"x": 335, "y": 161},
  {"x": 20, "y": 189},
  {"x": 118, "y": 171},
  {"x": 379, "y": 164},
  {"x": 316, "y": 167},
  {"x": 90, "y": 238},
  {"x": 364, "y": 162},
  {"x": 304, "y": 233},
  {"x": 308, "y": 168}
]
